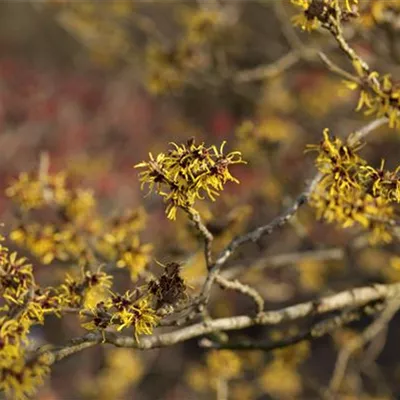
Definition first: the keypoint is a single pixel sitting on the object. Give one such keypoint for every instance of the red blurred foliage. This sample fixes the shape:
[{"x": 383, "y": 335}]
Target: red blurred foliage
[
  {"x": 222, "y": 123},
  {"x": 74, "y": 116}
]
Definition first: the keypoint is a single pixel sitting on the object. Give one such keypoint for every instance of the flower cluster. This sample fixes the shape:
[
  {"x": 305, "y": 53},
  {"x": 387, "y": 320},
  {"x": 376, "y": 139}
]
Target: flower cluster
[
  {"x": 48, "y": 242},
  {"x": 123, "y": 311},
  {"x": 142, "y": 308},
  {"x": 223, "y": 364},
  {"x": 317, "y": 12},
  {"x": 25, "y": 304},
  {"x": 379, "y": 95},
  {"x": 269, "y": 130},
  {"x": 21, "y": 308},
  {"x": 98, "y": 26},
  {"x": 187, "y": 173},
  {"x": 220, "y": 366},
  {"x": 21, "y": 294},
  {"x": 351, "y": 192},
  {"x": 122, "y": 243},
  {"x": 16, "y": 284},
  {"x": 121, "y": 369},
  {"x": 32, "y": 192},
  {"x": 79, "y": 234},
  {"x": 281, "y": 376},
  {"x": 19, "y": 378},
  {"x": 170, "y": 67},
  {"x": 77, "y": 291},
  {"x": 379, "y": 13}
]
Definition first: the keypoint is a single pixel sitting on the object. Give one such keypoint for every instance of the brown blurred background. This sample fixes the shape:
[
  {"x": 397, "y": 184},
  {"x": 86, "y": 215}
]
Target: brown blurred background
[{"x": 97, "y": 85}]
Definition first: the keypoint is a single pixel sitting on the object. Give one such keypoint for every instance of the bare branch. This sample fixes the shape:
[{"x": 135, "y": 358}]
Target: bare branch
[
  {"x": 74, "y": 346},
  {"x": 353, "y": 298},
  {"x": 316, "y": 330},
  {"x": 269, "y": 71},
  {"x": 288, "y": 29}
]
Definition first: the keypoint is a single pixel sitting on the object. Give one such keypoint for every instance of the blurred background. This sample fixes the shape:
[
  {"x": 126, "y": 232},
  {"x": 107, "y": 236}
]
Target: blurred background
[{"x": 98, "y": 85}]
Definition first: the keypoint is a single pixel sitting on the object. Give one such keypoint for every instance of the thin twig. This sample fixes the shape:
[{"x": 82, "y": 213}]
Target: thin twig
[
  {"x": 282, "y": 64},
  {"x": 365, "y": 131},
  {"x": 206, "y": 234},
  {"x": 335, "y": 28},
  {"x": 338, "y": 70},
  {"x": 242, "y": 288},
  {"x": 288, "y": 29},
  {"x": 281, "y": 260},
  {"x": 269, "y": 71}
]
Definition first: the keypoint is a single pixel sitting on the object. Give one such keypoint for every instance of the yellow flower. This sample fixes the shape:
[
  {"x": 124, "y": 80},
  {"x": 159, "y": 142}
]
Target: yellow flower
[
  {"x": 20, "y": 379},
  {"x": 305, "y": 23},
  {"x": 139, "y": 314},
  {"x": 197, "y": 378},
  {"x": 122, "y": 368},
  {"x": 95, "y": 295},
  {"x": 135, "y": 257},
  {"x": 281, "y": 381},
  {"x": 353, "y": 193},
  {"x": 201, "y": 25},
  {"x": 188, "y": 172},
  {"x": 31, "y": 192},
  {"x": 80, "y": 205},
  {"x": 223, "y": 364},
  {"x": 145, "y": 318}
]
